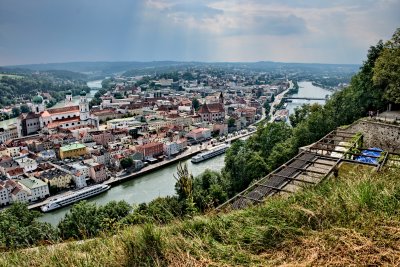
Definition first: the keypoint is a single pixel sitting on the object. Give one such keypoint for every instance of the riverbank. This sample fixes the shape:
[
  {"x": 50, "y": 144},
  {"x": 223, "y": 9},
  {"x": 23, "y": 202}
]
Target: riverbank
[{"x": 114, "y": 181}]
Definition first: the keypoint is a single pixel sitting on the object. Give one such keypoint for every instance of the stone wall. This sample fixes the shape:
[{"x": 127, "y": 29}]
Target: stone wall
[{"x": 378, "y": 134}]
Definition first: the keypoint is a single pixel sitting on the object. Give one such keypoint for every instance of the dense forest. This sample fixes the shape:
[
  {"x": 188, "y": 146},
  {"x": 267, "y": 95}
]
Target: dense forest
[{"x": 372, "y": 88}]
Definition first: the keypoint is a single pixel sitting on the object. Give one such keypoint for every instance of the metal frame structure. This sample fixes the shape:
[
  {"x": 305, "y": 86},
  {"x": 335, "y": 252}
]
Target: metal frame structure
[{"x": 295, "y": 171}]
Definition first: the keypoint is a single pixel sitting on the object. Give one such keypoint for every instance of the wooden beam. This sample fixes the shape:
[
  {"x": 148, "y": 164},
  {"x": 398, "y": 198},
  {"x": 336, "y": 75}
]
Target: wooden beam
[
  {"x": 383, "y": 161},
  {"x": 321, "y": 156},
  {"x": 315, "y": 162},
  {"x": 305, "y": 170},
  {"x": 250, "y": 198},
  {"x": 344, "y": 132},
  {"x": 274, "y": 188},
  {"x": 359, "y": 162},
  {"x": 294, "y": 179}
]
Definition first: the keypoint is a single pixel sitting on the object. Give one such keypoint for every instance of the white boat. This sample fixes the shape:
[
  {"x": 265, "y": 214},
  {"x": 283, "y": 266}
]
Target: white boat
[
  {"x": 74, "y": 197},
  {"x": 218, "y": 150}
]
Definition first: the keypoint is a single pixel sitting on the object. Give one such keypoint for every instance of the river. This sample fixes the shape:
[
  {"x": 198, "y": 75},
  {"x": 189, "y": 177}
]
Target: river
[
  {"x": 159, "y": 183},
  {"x": 307, "y": 89}
]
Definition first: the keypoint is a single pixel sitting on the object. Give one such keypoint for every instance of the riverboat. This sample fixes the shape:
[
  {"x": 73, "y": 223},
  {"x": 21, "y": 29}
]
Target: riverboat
[
  {"x": 218, "y": 150},
  {"x": 74, "y": 197}
]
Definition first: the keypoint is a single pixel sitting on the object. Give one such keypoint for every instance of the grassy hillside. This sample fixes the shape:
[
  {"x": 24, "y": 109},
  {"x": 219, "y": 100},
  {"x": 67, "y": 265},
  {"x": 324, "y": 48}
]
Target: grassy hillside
[{"x": 350, "y": 220}]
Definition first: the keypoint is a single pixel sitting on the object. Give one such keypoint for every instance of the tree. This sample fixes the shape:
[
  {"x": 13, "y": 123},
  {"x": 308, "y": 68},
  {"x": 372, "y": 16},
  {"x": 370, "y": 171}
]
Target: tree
[
  {"x": 25, "y": 109},
  {"x": 118, "y": 96},
  {"x": 242, "y": 166},
  {"x": 126, "y": 162},
  {"x": 209, "y": 190},
  {"x": 301, "y": 113},
  {"x": 267, "y": 136},
  {"x": 133, "y": 133},
  {"x": 272, "y": 98},
  {"x": 184, "y": 187},
  {"x": 196, "y": 104},
  {"x": 16, "y": 112},
  {"x": 231, "y": 122},
  {"x": 19, "y": 228},
  {"x": 267, "y": 108},
  {"x": 184, "y": 182},
  {"x": 387, "y": 69}
]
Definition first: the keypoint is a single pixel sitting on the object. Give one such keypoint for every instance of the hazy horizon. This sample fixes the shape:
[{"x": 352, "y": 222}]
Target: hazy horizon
[
  {"x": 201, "y": 62},
  {"x": 209, "y": 31}
]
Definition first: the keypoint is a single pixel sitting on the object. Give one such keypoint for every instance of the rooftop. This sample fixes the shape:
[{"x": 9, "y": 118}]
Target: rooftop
[
  {"x": 72, "y": 147},
  {"x": 32, "y": 182}
]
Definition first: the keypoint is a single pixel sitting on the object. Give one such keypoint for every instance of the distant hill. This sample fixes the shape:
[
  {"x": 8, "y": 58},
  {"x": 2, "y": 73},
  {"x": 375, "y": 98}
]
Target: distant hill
[{"x": 107, "y": 68}]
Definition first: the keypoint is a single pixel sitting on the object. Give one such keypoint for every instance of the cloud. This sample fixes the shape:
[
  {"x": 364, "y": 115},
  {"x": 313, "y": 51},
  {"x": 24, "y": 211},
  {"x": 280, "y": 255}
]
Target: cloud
[
  {"x": 193, "y": 9},
  {"x": 207, "y": 30},
  {"x": 270, "y": 25}
]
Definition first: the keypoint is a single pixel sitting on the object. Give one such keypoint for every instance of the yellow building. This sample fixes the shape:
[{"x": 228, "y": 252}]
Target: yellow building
[
  {"x": 72, "y": 151},
  {"x": 57, "y": 178}
]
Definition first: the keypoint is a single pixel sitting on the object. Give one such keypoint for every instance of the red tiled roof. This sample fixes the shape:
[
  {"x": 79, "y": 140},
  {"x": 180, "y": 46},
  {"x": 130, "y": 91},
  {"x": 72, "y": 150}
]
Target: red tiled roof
[
  {"x": 63, "y": 110},
  {"x": 211, "y": 108},
  {"x": 16, "y": 171},
  {"x": 57, "y": 123}
]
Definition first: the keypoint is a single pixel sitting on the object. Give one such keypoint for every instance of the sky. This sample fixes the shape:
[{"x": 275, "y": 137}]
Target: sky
[{"x": 309, "y": 31}]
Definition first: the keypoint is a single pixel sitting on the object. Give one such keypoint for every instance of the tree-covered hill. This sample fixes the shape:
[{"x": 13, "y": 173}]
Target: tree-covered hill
[{"x": 16, "y": 86}]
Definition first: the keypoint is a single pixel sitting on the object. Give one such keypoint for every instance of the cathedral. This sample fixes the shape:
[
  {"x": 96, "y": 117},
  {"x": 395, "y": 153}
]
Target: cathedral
[{"x": 67, "y": 117}]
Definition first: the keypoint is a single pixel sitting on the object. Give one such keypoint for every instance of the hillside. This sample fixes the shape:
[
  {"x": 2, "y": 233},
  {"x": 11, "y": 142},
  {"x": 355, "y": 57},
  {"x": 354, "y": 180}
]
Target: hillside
[{"x": 349, "y": 220}]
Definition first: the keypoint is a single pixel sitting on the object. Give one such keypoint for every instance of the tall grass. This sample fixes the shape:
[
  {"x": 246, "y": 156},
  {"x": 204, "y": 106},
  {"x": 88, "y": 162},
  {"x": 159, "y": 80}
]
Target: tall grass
[{"x": 351, "y": 220}]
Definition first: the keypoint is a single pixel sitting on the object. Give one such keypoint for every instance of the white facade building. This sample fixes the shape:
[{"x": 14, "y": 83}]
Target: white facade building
[
  {"x": 27, "y": 164},
  {"x": 37, "y": 189}
]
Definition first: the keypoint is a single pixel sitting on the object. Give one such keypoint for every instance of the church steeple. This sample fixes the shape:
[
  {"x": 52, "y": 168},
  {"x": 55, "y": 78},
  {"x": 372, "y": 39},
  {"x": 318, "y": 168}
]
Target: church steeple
[
  {"x": 221, "y": 98},
  {"x": 83, "y": 107}
]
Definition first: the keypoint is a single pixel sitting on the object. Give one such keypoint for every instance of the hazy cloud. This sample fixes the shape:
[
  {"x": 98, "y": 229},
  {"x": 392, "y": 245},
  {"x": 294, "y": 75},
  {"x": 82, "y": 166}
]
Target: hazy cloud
[{"x": 337, "y": 31}]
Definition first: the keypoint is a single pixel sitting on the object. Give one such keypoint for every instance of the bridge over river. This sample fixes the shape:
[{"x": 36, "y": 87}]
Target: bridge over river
[{"x": 304, "y": 98}]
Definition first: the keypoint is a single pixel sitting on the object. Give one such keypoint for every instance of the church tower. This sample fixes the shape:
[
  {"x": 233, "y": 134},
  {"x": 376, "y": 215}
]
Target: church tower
[
  {"x": 68, "y": 98},
  {"x": 38, "y": 105},
  {"x": 83, "y": 107},
  {"x": 221, "y": 98}
]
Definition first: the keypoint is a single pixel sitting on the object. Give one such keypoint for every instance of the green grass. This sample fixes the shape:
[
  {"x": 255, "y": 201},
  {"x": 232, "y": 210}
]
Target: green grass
[{"x": 350, "y": 220}]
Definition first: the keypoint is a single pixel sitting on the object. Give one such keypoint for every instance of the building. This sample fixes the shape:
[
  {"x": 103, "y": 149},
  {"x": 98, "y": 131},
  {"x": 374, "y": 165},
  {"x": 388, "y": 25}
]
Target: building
[
  {"x": 97, "y": 172},
  {"x": 171, "y": 149},
  {"x": 138, "y": 164},
  {"x": 73, "y": 151},
  {"x": 150, "y": 150},
  {"x": 7, "y": 134},
  {"x": 79, "y": 172},
  {"x": 47, "y": 154},
  {"x": 199, "y": 134},
  {"x": 20, "y": 194},
  {"x": 66, "y": 117},
  {"x": 37, "y": 188},
  {"x": 27, "y": 164},
  {"x": 4, "y": 193},
  {"x": 102, "y": 138},
  {"x": 212, "y": 112},
  {"x": 13, "y": 151},
  {"x": 56, "y": 178}
]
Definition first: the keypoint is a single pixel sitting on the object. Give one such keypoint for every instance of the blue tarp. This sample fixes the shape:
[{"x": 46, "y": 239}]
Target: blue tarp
[{"x": 373, "y": 151}]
